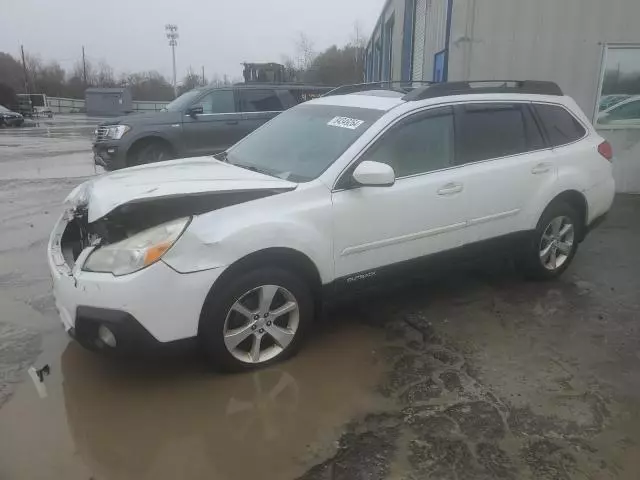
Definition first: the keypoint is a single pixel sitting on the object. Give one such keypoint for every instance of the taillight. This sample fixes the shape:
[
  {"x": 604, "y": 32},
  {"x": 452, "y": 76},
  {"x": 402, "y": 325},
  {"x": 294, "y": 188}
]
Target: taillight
[{"x": 605, "y": 150}]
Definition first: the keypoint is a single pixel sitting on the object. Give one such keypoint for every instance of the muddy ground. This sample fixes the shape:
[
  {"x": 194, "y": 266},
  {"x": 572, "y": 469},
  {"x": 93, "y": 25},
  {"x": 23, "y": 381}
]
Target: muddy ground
[{"x": 476, "y": 374}]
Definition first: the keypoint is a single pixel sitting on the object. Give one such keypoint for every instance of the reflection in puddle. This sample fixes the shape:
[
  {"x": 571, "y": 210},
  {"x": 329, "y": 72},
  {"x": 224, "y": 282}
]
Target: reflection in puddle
[{"x": 178, "y": 422}]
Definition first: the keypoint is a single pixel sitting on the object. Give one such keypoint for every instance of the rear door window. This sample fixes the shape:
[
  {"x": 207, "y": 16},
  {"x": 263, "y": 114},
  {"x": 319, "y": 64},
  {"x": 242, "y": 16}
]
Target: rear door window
[
  {"x": 560, "y": 126},
  {"x": 260, "y": 101},
  {"x": 487, "y": 130}
]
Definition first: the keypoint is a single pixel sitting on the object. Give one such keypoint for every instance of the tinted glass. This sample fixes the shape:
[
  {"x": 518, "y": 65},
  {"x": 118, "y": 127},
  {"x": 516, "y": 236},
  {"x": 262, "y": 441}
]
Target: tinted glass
[
  {"x": 421, "y": 144},
  {"x": 218, "y": 101},
  {"x": 535, "y": 141},
  {"x": 561, "y": 127},
  {"x": 300, "y": 144},
  {"x": 486, "y": 131},
  {"x": 259, "y": 101}
]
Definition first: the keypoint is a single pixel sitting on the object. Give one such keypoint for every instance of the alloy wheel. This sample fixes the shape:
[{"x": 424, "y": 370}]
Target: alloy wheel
[
  {"x": 261, "y": 324},
  {"x": 557, "y": 243}
]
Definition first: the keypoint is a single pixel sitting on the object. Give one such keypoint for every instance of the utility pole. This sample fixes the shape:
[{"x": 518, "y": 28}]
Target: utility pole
[
  {"x": 171, "y": 31},
  {"x": 204, "y": 82},
  {"x": 24, "y": 68},
  {"x": 84, "y": 68}
]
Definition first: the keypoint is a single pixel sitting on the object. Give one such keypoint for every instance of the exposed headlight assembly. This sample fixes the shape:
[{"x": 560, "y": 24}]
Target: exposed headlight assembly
[{"x": 136, "y": 252}]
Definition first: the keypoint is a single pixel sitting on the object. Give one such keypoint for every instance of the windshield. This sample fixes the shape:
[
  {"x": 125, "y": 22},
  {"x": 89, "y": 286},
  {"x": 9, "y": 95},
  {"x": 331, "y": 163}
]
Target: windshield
[
  {"x": 4, "y": 109},
  {"x": 181, "y": 103},
  {"x": 303, "y": 142}
]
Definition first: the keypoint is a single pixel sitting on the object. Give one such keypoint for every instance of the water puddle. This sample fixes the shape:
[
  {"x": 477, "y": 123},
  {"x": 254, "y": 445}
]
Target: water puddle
[{"x": 110, "y": 421}]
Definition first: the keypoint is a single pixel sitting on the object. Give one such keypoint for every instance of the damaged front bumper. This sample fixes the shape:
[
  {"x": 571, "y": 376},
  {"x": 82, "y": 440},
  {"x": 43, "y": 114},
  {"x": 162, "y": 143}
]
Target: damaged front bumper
[{"x": 150, "y": 307}]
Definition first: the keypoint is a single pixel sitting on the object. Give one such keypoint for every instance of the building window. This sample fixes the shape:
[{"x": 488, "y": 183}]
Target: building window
[
  {"x": 388, "y": 49},
  {"x": 377, "y": 60},
  {"x": 439, "y": 66},
  {"x": 407, "y": 39},
  {"x": 619, "y": 101}
]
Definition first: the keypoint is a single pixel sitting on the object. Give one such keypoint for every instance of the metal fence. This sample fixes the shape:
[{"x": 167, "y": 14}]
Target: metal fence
[
  {"x": 74, "y": 105},
  {"x": 66, "y": 105},
  {"x": 146, "y": 106}
]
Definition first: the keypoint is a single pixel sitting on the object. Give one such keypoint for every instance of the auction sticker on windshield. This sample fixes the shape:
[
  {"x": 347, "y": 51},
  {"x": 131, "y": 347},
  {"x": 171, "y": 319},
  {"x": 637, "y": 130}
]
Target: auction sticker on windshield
[{"x": 345, "y": 122}]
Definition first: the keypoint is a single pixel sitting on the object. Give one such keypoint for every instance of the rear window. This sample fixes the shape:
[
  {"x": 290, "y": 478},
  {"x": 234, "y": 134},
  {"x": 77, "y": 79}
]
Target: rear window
[
  {"x": 486, "y": 131},
  {"x": 560, "y": 126}
]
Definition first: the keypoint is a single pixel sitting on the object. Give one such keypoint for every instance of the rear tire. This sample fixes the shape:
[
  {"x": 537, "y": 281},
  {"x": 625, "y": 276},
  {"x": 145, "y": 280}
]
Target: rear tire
[
  {"x": 554, "y": 244},
  {"x": 241, "y": 329}
]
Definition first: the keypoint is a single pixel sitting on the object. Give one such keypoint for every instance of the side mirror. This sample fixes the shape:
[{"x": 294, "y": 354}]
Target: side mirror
[
  {"x": 374, "y": 174},
  {"x": 195, "y": 110}
]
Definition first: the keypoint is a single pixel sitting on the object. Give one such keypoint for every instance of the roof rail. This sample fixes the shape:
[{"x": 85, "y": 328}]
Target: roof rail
[
  {"x": 536, "y": 87},
  {"x": 396, "y": 86}
]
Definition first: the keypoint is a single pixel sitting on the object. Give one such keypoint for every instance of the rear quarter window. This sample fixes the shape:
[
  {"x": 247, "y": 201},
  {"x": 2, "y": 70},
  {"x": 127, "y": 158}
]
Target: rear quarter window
[{"x": 560, "y": 126}]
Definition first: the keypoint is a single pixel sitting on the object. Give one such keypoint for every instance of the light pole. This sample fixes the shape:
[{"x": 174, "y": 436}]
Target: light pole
[{"x": 172, "y": 34}]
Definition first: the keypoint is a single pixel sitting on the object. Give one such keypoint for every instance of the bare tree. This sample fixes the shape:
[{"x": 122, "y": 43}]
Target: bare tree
[
  {"x": 79, "y": 72},
  {"x": 11, "y": 72},
  {"x": 290, "y": 70},
  {"x": 189, "y": 82},
  {"x": 357, "y": 38},
  {"x": 359, "y": 44},
  {"x": 105, "y": 76},
  {"x": 34, "y": 66},
  {"x": 304, "y": 51}
]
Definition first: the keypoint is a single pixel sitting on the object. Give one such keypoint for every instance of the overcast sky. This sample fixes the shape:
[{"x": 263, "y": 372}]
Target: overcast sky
[{"x": 219, "y": 34}]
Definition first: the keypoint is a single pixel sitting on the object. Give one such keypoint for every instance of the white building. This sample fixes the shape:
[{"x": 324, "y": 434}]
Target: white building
[{"x": 591, "y": 48}]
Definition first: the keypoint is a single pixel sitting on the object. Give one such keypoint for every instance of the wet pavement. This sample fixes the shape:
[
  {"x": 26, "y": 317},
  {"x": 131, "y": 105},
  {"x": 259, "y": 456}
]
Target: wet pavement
[{"x": 474, "y": 375}]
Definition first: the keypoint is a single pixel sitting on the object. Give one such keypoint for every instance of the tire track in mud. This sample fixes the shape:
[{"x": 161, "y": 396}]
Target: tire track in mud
[{"x": 449, "y": 425}]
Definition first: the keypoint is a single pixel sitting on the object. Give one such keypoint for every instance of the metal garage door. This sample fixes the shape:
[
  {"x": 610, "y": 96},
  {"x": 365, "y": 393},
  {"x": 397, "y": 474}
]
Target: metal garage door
[{"x": 418, "y": 39}]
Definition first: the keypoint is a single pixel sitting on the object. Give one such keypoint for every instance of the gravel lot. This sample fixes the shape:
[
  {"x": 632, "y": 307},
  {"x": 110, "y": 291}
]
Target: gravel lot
[{"x": 476, "y": 374}]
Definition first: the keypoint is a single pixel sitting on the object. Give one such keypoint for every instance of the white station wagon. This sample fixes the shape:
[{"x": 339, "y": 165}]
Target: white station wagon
[{"x": 337, "y": 194}]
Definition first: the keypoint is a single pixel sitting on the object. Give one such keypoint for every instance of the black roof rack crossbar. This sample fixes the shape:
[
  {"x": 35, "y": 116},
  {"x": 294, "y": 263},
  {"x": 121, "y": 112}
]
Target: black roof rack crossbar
[
  {"x": 396, "y": 86},
  {"x": 536, "y": 87}
]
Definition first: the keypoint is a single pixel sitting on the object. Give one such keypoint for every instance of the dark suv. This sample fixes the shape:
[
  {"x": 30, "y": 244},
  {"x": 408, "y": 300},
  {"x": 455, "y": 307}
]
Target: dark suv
[{"x": 204, "y": 121}]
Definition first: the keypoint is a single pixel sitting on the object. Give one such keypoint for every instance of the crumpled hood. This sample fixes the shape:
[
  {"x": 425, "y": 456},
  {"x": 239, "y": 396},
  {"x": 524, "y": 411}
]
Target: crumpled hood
[{"x": 174, "y": 178}]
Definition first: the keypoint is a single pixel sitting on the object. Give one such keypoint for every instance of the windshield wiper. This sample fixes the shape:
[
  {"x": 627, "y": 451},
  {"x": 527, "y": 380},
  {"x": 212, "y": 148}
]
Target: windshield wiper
[
  {"x": 253, "y": 168},
  {"x": 222, "y": 156}
]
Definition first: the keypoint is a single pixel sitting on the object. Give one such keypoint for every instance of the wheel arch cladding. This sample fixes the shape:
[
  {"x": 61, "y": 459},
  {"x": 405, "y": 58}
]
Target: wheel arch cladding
[
  {"x": 283, "y": 258},
  {"x": 578, "y": 201}
]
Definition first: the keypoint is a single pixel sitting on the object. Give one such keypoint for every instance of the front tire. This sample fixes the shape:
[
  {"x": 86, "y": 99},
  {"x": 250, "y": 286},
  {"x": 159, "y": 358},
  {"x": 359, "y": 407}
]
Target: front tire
[
  {"x": 152, "y": 152},
  {"x": 258, "y": 318},
  {"x": 554, "y": 243}
]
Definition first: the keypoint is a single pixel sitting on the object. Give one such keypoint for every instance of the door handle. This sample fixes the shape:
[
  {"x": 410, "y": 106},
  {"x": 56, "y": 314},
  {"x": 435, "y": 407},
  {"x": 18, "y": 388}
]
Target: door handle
[
  {"x": 541, "y": 168},
  {"x": 450, "y": 189},
  {"x": 232, "y": 122}
]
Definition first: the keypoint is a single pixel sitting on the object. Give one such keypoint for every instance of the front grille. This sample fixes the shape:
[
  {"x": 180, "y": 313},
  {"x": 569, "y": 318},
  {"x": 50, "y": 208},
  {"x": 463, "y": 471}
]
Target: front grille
[{"x": 101, "y": 134}]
